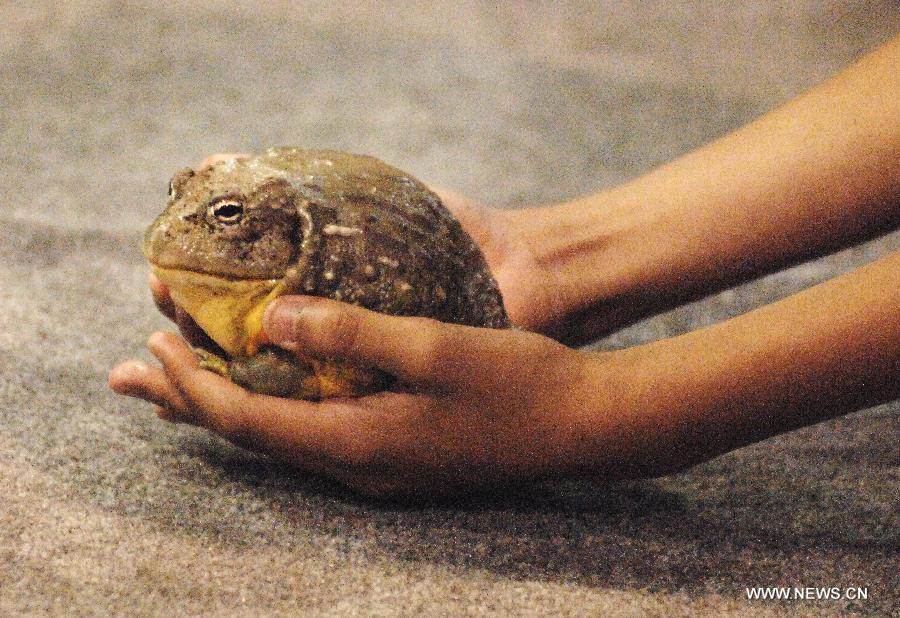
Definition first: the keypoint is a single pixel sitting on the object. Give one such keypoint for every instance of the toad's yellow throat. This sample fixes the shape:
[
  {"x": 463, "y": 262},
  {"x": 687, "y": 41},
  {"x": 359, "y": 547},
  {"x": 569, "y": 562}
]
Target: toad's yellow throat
[{"x": 228, "y": 310}]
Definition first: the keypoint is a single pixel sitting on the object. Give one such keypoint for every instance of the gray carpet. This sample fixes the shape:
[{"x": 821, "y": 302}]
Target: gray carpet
[{"x": 106, "y": 510}]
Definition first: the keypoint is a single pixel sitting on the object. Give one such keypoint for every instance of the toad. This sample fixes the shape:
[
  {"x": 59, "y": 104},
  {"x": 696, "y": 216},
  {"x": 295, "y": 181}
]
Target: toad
[{"x": 351, "y": 228}]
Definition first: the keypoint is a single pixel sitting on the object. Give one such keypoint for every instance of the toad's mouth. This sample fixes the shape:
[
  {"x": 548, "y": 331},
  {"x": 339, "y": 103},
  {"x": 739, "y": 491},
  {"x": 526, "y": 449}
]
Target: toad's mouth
[{"x": 228, "y": 310}]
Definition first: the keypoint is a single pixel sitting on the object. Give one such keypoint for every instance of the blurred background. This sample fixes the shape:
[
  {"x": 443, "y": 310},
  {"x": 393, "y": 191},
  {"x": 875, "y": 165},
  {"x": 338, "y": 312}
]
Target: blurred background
[{"x": 517, "y": 103}]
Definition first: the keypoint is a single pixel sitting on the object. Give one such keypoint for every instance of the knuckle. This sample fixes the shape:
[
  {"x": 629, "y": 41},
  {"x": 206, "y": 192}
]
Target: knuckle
[
  {"x": 341, "y": 332},
  {"x": 434, "y": 345}
]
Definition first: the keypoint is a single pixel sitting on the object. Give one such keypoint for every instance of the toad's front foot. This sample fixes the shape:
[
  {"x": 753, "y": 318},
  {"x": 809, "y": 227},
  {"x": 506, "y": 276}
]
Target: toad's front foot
[{"x": 212, "y": 362}]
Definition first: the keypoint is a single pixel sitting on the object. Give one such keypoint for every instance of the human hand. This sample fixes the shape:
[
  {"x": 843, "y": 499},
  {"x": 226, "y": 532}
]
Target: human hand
[
  {"x": 531, "y": 293},
  {"x": 480, "y": 408},
  {"x": 476, "y": 408}
]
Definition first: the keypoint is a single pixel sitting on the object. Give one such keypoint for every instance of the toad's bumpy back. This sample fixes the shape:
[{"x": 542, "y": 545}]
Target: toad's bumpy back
[{"x": 382, "y": 240}]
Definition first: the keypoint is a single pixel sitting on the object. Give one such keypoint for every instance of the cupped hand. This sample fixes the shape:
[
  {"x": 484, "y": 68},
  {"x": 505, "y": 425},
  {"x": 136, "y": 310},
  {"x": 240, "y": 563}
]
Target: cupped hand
[
  {"x": 530, "y": 291},
  {"x": 474, "y": 408}
]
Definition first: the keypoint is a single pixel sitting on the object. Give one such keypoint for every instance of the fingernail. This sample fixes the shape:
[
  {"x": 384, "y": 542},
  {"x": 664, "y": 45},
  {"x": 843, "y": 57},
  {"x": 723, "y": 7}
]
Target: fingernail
[
  {"x": 122, "y": 377},
  {"x": 155, "y": 340},
  {"x": 139, "y": 367}
]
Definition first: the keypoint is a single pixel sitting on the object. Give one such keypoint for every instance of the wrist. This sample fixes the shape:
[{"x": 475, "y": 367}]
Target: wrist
[
  {"x": 631, "y": 422},
  {"x": 827, "y": 351},
  {"x": 598, "y": 261},
  {"x": 666, "y": 406}
]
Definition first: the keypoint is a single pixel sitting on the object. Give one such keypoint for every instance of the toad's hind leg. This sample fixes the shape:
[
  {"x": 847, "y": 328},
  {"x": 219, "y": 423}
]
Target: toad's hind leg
[{"x": 276, "y": 372}]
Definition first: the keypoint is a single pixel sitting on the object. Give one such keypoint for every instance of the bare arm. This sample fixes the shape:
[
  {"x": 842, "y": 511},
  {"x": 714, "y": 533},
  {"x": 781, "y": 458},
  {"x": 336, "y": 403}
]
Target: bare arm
[
  {"x": 827, "y": 351},
  {"x": 818, "y": 174}
]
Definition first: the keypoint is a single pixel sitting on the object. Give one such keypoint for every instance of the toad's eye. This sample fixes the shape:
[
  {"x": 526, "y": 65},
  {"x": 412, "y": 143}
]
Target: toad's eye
[{"x": 228, "y": 212}]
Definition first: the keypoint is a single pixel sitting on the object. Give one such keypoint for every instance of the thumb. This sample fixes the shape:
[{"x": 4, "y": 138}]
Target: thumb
[{"x": 418, "y": 351}]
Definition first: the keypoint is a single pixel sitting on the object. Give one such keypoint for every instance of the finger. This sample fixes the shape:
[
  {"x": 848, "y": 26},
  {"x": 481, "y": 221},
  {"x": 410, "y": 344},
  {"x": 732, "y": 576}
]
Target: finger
[
  {"x": 137, "y": 379},
  {"x": 416, "y": 350},
  {"x": 222, "y": 156},
  {"x": 306, "y": 434},
  {"x": 161, "y": 297},
  {"x": 168, "y": 414},
  {"x": 204, "y": 393}
]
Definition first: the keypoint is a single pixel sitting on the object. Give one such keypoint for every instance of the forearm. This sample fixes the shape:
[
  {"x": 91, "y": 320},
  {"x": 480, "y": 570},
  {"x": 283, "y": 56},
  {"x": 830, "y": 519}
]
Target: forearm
[
  {"x": 827, "y": 351},
  {"x": 820, "y": 173}
]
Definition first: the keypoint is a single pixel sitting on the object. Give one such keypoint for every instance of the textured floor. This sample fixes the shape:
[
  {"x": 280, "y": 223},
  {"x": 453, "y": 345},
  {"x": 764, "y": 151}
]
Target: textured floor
[{"x": 107, "y": 511}]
